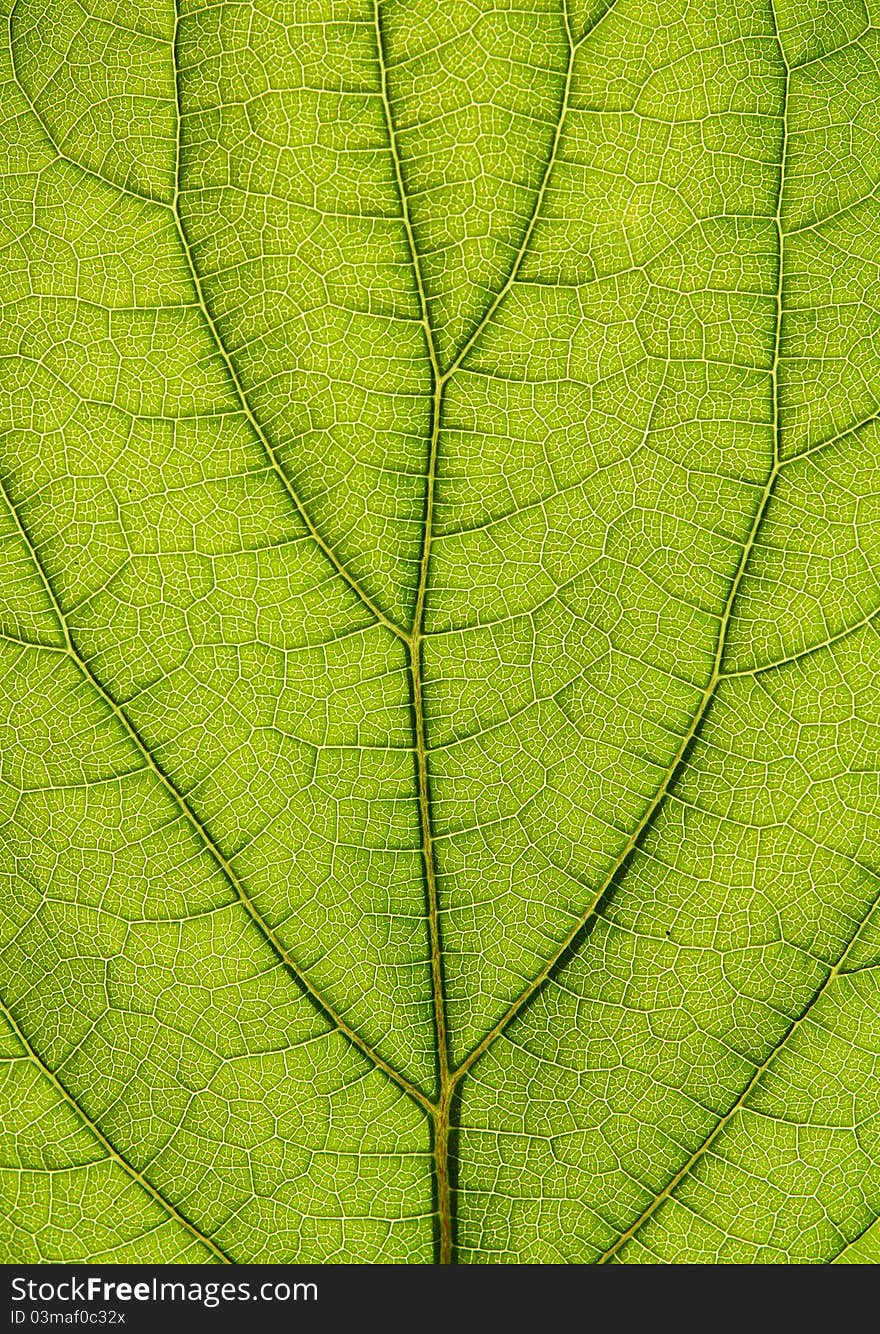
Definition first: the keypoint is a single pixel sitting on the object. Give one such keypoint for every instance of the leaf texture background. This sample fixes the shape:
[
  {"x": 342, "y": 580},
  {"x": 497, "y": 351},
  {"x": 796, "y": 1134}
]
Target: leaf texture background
[{"x": 439, "y": 699}]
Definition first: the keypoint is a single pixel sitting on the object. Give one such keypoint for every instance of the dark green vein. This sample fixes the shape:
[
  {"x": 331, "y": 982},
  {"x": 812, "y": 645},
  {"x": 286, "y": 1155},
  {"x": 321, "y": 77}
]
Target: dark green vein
[
  {"x": 448, "y": 1081},
  {"x": 650, "y": 812},
  {"x": 854, "y": 1241},
  {"x": 807, "y": 652},
  {"x": 519, "y": 258},
  {"x": 173, "y": 207},
  {"x": 440, "y": 1114},
  {"x": 220, "y": 860},
  {"x": 777, "y": 464},
  {"x": 240, "y": 393},
  {"x": 698, "y": 1153},
  {"x": 140, "y": 195},
  {"x": 715, "y": 676},
  {"x": 111, "y": 1149}
]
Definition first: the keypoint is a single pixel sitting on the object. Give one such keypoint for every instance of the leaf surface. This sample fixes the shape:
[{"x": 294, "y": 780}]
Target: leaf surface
[{"x": 440, "y": 531}]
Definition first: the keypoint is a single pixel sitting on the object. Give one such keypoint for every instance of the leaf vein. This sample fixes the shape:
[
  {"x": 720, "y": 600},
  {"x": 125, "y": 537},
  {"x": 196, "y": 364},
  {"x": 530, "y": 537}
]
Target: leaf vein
[
  {"x": 220, "y": 860},
  {"x": 113, "y": 1152},
  {"x": 834, "y": 973}
]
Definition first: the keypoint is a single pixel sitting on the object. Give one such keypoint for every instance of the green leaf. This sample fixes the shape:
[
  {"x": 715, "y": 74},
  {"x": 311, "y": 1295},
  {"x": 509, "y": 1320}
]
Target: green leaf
[{"x": 440, "y": 703}]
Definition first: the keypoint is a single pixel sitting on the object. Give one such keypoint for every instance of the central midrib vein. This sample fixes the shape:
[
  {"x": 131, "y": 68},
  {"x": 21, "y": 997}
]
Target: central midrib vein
[
  {"x": 440, "y": 1112},
  {"x": 448, "y": 1079}
]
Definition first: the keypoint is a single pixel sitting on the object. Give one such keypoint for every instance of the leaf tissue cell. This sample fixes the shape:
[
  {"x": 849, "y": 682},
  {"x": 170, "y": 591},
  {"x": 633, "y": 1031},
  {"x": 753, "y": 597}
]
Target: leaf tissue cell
[{"x": 439, "y": 663}]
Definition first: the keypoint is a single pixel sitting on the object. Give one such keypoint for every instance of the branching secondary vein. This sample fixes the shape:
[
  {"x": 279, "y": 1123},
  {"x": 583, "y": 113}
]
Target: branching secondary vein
[
  {"x": 186, "y": 809},
  {"x": 119, "y": 1158},
  {"x": 762, "y": 509},
  {"x": 240, "y": 393},
  {"x": 701, "y": 1150}
]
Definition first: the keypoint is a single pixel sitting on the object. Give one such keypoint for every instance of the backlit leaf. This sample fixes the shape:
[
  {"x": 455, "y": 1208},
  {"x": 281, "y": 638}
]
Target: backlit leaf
[{"x": 439, "y": 672}]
